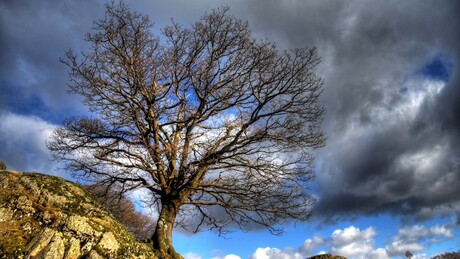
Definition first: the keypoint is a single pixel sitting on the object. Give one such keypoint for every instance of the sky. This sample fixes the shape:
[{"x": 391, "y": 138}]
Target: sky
[{"x": 388, "y": 179}]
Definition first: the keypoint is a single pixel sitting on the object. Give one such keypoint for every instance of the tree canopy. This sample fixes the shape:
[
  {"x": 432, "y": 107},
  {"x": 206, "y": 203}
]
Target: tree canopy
[{"x": 215, "y": 126}]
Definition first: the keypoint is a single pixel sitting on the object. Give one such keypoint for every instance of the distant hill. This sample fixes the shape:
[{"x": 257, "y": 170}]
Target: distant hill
[
  {"x": 43, "y": 216},
  {"x": 451, "y": 255},
  {"x": 327, "y": 256}
]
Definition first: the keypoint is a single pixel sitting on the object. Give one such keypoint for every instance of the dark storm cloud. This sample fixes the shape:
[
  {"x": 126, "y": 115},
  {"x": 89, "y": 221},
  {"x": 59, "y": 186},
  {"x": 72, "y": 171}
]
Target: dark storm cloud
[
  {"x": 393, "y": 130},
  {"x": 34, "y": 34},
  {"x": 33, "y": 83}
]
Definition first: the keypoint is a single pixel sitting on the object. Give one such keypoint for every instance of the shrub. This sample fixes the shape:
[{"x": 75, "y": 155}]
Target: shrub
[{"x": 123, "y": 209}]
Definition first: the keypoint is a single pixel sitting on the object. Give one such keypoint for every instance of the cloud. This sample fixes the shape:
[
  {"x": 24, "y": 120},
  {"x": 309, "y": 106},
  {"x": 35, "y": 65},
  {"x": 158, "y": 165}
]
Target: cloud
[
  {"x": 417, "y": 238},
  {"x": 310, "y": 245},
  {"x": 33, "y": 37},
  {"x": 275, "y": 253},
  {"x": 351, "y": 242},
  {"x": 396, "y": 166},
  {"x": 229, "y": 256},
  {"x": 391, "y": 75},
  {"x": 355, "y": 243},
  {"x": 23, "y": 142},
  {"x": 191, "y": 255},
  {"x": 306, "y": 249}
]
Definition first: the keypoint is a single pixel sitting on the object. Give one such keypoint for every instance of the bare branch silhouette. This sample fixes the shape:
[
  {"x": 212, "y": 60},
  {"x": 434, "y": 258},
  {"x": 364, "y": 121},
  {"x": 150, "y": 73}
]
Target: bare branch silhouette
[{"x": 216, "y": 126}]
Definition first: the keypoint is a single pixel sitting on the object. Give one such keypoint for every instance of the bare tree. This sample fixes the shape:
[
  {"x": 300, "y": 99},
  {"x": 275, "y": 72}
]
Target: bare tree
[{"x": 216, "y": 126}]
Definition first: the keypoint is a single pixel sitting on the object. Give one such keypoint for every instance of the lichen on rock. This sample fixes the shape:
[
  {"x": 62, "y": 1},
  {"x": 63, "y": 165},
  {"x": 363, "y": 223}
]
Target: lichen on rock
[
  {"x": 80, "y": 226},
  {"x": 5, "y": 214},
  {"x": 109, "y": 243},
  {"x": 43, "y": 216}
]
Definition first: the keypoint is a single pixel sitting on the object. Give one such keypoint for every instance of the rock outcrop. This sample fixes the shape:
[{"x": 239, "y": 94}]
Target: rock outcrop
[{"x": 43, "y": 216}]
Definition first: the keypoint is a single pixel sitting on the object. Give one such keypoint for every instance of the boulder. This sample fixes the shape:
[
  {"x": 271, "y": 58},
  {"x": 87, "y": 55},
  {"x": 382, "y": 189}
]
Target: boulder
[{"x": 44, "y": 216}]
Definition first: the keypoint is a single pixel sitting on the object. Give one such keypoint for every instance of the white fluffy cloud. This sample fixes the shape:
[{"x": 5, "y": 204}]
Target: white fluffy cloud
[
  {"x": 275, "y": 253},
  {"x": 305, "y": 250},
  {"x": 310, "y": 245},
  {"x": 351, "y": 242}
]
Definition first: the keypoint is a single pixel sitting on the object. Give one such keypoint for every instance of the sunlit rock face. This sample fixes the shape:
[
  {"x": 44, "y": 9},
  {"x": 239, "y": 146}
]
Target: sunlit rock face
[{"x": 44, "y": 216}]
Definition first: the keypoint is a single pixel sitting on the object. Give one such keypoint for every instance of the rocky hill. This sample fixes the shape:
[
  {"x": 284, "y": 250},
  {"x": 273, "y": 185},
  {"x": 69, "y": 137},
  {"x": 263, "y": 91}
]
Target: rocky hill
[{"x": 43, "y": 216}]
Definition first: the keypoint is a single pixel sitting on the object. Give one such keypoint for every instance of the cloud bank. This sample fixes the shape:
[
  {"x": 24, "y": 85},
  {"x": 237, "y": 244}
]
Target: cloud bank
[
  {"x": 355, "y": 243},
  {"x": 392, "y": 95}
]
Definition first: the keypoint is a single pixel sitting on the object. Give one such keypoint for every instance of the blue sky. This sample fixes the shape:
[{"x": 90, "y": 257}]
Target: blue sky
[
  {"x": 388, "y": 179},
  {"x": 383, "y": 229}
]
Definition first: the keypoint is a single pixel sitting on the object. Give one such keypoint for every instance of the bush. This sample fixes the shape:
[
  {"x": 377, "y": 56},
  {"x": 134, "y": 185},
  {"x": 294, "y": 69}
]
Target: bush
[{"x": 123, "y": 209}]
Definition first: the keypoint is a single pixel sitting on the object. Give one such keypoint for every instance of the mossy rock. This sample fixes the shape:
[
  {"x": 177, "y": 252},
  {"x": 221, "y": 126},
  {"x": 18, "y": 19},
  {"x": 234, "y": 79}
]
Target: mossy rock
[{"x": 43, "y": 216}]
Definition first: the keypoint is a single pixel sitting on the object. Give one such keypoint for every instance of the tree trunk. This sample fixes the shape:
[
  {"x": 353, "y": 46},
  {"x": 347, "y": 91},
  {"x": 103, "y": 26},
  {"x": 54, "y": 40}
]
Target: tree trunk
[{"x": 162, "y": 237}]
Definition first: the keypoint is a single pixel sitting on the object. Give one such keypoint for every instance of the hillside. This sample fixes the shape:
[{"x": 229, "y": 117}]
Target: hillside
[{"x": 43, "y": 216}]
